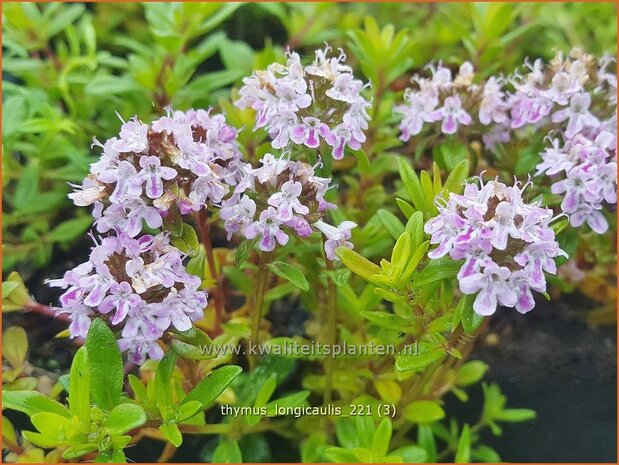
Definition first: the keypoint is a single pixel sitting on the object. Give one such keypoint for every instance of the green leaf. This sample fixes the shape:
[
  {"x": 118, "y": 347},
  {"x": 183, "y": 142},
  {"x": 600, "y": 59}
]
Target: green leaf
[
  {"x": 187, "y": 242},
  {"x": 51, "y": 425},
  {"x": 471, "y": 321},
  {"x": 436, "y": 270},
  {"x": 171, "y": 432},
  {"x": 471, "y": 372},
  {"x": 163, "y": 380},
  {"x": 339, "y": 277},
  {"x": 106, "y": 86},
  {"x": 391, "y": 223},
  {"x": 106, "y": 366},
  {"x": 568, "y": 241},
  {"x": 528, "y": 159},
  {"x": 401, "y": 253},
  {"x": 457, "y": 176},
  {"x": 311, "y": 447},
  {"x": 382, "y": 437},
  {"x": 412, "y": 264},
  {"x": 406, "y": 208},
  {"x": 463, "y": 450},
  {"x": 453, "y": 152},
  {"x": 388, "y": 320},
  {"x": 32, "y": 402},
  {"x": 139, "y": 390},
  {"x": 227, "y": 451},
  {"x": 425, "y": 438},
  {"x": 426, "y": 354},
  {"x": 27, "y": 186},
  {"x": 293, "y": 400},
  {"x": 67, "y": 15},
  {"x": 14, "y": 340},
  {"x": 192, "y": 344},
  {"x": 341, "y": 455},
  {"x": 190, "y": 351},
  {"x": 123, "y": 418},
  {"x": 290, "y": 273},
  {"x": 363, "y": 162},
  {"x": 78, "y": 450},
  {"x": 515, "y": 415},
  {"x": 211, "y": 387},
  {"x": 486, "y": 454},
  {"x": 424, "y": 411},
  {"x": 414, "y": 227},
  {"x": 242, "y": 253},
  {"x": 69, "y": 230},
  {"x": 412, "y": 185},
  {"x": 79, "y": 387},
  {"x": 411, "y": 454},
  {"x": 188, "y": 410},
  {"x": 358, "y": 264}
]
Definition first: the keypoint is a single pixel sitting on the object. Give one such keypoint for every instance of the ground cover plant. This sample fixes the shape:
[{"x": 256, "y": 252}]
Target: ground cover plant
[{"x": 229, "y": 227}]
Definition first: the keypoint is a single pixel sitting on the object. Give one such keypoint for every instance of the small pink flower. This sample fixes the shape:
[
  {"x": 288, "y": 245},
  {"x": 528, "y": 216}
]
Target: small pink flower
[{"x": 451, "y": 114}]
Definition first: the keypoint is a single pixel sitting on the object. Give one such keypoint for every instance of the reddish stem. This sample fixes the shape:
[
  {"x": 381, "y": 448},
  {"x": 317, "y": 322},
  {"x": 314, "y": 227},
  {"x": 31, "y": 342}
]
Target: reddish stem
[
  {"x": 204, "y": 229},
  {"x": 44, "y": 310}
]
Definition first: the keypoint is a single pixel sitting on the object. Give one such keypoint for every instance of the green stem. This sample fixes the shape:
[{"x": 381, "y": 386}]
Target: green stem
[
  {"x": 331, "y": 310},
  {"x": 258, "y": 304},
  {"x": 427, "y": 375}
]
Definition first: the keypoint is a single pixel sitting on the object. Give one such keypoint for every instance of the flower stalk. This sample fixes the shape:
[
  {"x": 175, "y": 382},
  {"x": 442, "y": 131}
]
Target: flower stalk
[
  {"x": 258, "y": 304},
  {"x": 331, "y": 320},
  {"x": 218, "y": 294}
]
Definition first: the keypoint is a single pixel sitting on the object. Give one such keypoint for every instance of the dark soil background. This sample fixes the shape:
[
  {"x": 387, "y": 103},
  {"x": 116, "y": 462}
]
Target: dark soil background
[{"x": 554, "y": 363}]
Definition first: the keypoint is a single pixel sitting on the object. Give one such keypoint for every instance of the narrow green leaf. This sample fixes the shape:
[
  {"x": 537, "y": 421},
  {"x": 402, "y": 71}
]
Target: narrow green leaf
[
  {"x": 414, "y": 227},
  {"x": 427, "y": 353},
  {"x": 382, "y": 438},
  {"x": 79, "y": 388},
  {"x": 436, "y": 270},
  {"x": 515, "y": 415},
  {"x": 227, "y": 451},
  {"x": 106, "y": 366},
  {"x": 163, "y": 380},
  {"x": 358, "y": 264},
  {"x": 171, "y": 432},
  {"x": 391, "y": 223},
  {"x": 455, "y": 180},
  {"x": 463, "y": 451},
  {"x": 78, "y": 450},
  {"x": 406, "y": 208},
  {"x": 412, "y": 185},
  {"x": 32, "y": 402},
  {"x": 401, "y": 253},
  {"x": 290, "y": 273},
  {"x": 188, "y": 241},
  {"x": 211, "y": 387},
  {"x": 470, "y": 320}
]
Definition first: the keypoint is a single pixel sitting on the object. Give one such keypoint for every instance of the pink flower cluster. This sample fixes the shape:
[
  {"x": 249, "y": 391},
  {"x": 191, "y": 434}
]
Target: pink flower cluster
[
  {"x": 278, "y": 198},
  {"x": 506, "y": 244},
  {"x": 183, "y": 161},
  {"x": 304, "y": 105},
  {"x": 558, "y": 93},
  {"x": 584, "y": 171},
  {"x": 438, "y": 98},
  {"x": 138, "y": 285}
]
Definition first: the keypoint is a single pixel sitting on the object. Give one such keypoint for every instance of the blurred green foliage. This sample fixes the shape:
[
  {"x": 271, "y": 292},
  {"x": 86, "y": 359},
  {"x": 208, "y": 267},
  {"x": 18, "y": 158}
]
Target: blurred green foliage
[{"x": 67, "y": 68}]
